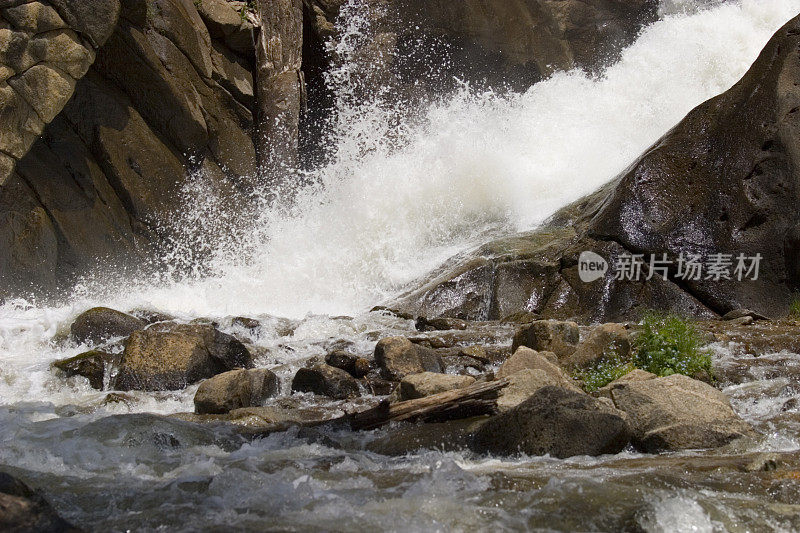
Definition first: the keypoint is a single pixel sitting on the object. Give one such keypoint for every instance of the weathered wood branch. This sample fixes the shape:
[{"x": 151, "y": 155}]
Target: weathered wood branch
[{"x": 475, "y": 400}]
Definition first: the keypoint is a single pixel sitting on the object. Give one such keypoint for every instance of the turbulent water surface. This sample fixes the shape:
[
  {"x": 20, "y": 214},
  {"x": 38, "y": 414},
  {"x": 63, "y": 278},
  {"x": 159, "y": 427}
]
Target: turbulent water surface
[{"x": 393, "y": 202}]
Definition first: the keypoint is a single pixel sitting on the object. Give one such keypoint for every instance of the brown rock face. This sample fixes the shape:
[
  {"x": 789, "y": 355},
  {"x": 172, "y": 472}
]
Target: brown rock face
[
  {"x": 101, "y": 323},
  {"x": 522, "y": 40},
  {"x": 235, "y": 389},
  {"x": 99, "y": 184},
  {"x": 398, "y": 357},
  {"x": 172, "y": 356},
  {"x": 724, "y": 180},
  {"x": 678, "y": 413},
  {"x": 429, "y": 383},
  {"x": 561, "y": 338},
  {"x": 558, "y": 422},
  {"x": 326, "y": 380},
  {"x": 45, "y": 47}
]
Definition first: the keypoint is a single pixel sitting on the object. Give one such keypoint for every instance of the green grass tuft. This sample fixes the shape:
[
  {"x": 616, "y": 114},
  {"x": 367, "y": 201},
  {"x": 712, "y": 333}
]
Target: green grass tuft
[
  {"x": 603, "y": 372},
  {"x": 670, "y": 345},
  {"x": 794, "y": 308}
]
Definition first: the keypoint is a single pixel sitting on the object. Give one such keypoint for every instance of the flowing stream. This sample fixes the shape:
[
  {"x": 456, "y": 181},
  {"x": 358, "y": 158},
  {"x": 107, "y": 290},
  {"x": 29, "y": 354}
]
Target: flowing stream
[{"x": 399, "y": 196}]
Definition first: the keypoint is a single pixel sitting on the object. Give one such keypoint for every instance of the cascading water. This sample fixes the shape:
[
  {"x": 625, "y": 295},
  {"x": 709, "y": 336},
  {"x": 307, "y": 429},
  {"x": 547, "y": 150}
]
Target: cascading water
[{"x": 400, "y": 195}]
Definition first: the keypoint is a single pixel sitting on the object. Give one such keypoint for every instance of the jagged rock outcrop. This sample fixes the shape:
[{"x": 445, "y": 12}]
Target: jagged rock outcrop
[
  {"x": 725, "y": 180},
  {"x": 281, "y": 87},
  {"x": 170, "y": 93},
  {"x": 45, "y": 48}
]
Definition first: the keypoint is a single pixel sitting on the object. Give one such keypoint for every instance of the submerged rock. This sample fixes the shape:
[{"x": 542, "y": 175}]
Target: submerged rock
[
  {"x": 554, "y": 336},
  {"x": 558, "y": 422},
  {"x": 326, "y": 380},
  {"x": 171, "y": 356},
  {"x": 429, "y": 383},
  {"x": 449, "y": 436},
  {"x": 398, "y": 357},
  {"x": 678, "y": 413},
  {"x": 234, "y": 390},
  {"x": 91, "y": 365},
  {"x": 101, "y": 323},
  {"x": 22, "y": 510}
]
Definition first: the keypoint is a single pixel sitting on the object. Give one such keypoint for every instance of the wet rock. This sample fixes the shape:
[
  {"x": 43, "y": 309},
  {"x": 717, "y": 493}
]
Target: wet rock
[
  {"x": 526, "y": 358},
  {"x": 525, "y": 383},
  {"x": 91, "y": 365},
  {"x": 481, "y": 353},
  {"x": 172, "y": 356},
  {"x": 234, "y": 390},
  {"x": 326, "y": 380},
  {"x": 101, "y": 323},
  {"x": 678, "y": 413},
  {"x": 724, "y": 180},
  {"x": 554, "y": 336},
  {"x": 606, "y": 341},
  {"x": 743, "y": 313},
  {"x": 398, "y": 357},
  {"x": 357, "y": 367},
  {"x": 23, "y": 510},
  {"x": 378, "y": 386},
  {"x": 440, "y": 324},
  {"x": 558, "y": 422},
  {"x": 460, "y": 364},
  {"x": 428, "y": 383},
  {"x": 246, "y": 323},
  {"x": 636, "y": 374}
]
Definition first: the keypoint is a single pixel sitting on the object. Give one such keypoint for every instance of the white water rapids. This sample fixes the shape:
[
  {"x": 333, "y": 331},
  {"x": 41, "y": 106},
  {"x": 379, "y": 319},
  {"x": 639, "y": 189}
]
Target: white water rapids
[{"x": 394, "y": 203}]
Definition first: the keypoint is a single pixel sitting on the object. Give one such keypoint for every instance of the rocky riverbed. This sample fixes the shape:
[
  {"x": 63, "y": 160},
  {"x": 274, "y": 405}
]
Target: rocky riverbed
[{"x": 112, "y": 459}]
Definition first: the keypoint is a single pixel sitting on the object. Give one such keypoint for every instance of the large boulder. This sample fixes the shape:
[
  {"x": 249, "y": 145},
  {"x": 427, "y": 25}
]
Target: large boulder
[
  {"x": 606, "y": 341},
  {"x": 23, "y": 510},
  {"x": 428, "y": 383},
  {"x": 561, "y": 338},
  {"x": 525, "y": 383},
  {"x": 525, "y": 358},
  {"x": 677, "y": 413},
  {"x": 398, "y": 357},
  {"x": 723, "y": 181},
  {"x": 169, "y": 356},
  {"x": 326, "y": 380},
  {"x": 235, "y": 389},
  {"x": 102, "y": 323},
  {"x": 558, "y": 422}
]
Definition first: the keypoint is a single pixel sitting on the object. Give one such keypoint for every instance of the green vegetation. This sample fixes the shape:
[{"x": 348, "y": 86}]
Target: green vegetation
[
  {"x": 794, "y": 308},
  {"x": 669, "y": 345},
  {"x": 666, "y": 345},
  {"x": 603, "y": 372}
]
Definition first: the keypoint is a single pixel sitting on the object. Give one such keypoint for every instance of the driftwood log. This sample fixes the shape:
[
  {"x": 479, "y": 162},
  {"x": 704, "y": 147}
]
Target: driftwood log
[{"x": 477, "y": 399}]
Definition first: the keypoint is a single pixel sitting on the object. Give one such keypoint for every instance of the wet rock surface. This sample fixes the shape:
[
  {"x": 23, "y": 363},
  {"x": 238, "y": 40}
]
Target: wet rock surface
[
  {"x": 171, "y": 356},
  {"x": 398, "y": 357},
  {"x": 732, "y": 156},
  {"x": 558, "y": 422},
  {"x": 326, "y": 380},
  {"x": 101, "y": 323},
  {"x": 677, "y": 413},
  {"x": 235, "y": 389},
  {"x": 429, "y": 383},
  {"x": 23, "y": 510}
]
